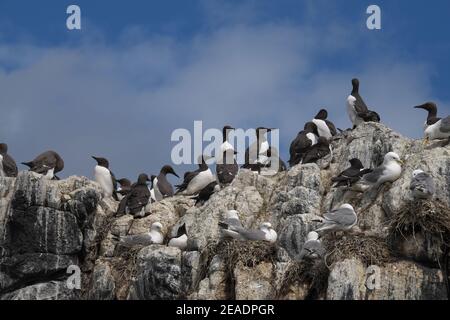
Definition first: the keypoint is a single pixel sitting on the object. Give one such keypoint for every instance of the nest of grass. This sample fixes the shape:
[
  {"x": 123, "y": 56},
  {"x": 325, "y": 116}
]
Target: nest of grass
[
  {"x": 431, "y": 217},
  {"x": 124, "y": 269},
  {"x": 368, "y": 249},
  {"x": 312, "y": 272},
  {"x": 248, "y": 253}
]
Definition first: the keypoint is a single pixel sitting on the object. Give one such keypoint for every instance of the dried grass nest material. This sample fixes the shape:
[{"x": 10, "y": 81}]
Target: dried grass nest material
[
  {"x": 368, "y": 249},
  {"x": 249, "y": 253},
  {"x": 124, "y": 267},
  {"x": 313, "y": 273},
  {"x": 431, "y": 217}
]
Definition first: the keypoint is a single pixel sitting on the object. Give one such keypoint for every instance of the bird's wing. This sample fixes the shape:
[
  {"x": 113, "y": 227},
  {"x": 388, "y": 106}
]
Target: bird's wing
[
  {"x": 254, "y": 235},
  {"x": 136, "y": 240},
  {"x": 9, "y": 166},
  {"x": 188, "y": 176},
  {"x": 373, "y": 176},
  {"x": 332, "y": 127},
  {"x": 235, "y": 223},
  {"x": 114, "y": 182},
  {"x": 138, "y": 197},
  {"x": 342, "y": 216},
  {"x": 164, "y": 186},
  {"x": 423, "y": 181},
  {"x": 445, "y": 124},
  {"x": 360, "y": 105}
]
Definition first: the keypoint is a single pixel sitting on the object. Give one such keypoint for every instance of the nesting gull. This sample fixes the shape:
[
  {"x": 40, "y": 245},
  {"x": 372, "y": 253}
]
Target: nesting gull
[
  {"x": 264, "y": 233},
  {"x": 341, "y": 219},
  {"x": 313, "y": 247},
  {"x": 422, "y": 185},
  {"x": 154, "y": 236},
  {"x": 389, "y": 171}
]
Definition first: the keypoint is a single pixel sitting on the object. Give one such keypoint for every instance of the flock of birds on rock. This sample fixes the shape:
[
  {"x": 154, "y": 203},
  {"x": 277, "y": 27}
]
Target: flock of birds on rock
[{"x": 310, "y": 145}]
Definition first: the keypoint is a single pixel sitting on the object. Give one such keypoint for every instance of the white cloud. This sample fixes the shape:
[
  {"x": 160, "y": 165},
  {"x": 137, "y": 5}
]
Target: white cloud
[{"x": 124, "y": 100}]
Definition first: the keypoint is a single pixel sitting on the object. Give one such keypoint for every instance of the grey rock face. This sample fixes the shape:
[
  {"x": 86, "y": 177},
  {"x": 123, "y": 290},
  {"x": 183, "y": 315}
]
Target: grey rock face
[
  {"x": 47, "y": 226},
  {"x": 350, "y": 280},
  {"x": 45, "y": 223}
]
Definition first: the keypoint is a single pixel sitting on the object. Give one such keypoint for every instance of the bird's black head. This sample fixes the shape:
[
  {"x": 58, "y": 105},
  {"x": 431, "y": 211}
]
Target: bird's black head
[
  {"x": 3, "y": 148},
  {"x": 181, "y": 230},
  {"x": 168, "y": 169},
  {"x": 226, "y": 130},
  {"x": 355, "y": 85},
  {"x": 101, "y": 161},
  {"x": 142, "y": 179},
  {"x": 322, "y": 115},
  {"x": 356, "y": 163},
  {"x": 429, "y": 106},
  {"x": 310, "y": 127},
  {"x": 124, "y": 182}
]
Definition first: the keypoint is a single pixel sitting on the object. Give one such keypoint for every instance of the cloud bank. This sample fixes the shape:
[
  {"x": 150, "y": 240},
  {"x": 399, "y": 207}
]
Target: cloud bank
[{"x": 122, "y": 100}]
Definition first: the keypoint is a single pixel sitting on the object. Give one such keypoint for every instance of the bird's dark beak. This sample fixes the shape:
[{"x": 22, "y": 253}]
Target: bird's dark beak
[
  {"x": 174, "y": 173},
  {"x": 95, "y": 158},
  {"x": 235, "y": 152}
]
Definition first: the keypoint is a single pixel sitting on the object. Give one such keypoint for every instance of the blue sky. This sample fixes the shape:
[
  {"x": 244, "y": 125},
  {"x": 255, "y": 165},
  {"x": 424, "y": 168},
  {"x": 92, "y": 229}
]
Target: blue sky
[{"x": 140, "y": 69}]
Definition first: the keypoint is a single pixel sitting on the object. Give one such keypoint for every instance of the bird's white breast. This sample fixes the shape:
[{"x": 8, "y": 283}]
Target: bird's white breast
[
  {"x": 271, "y": 235},
  {"x": 103, "y": 178},
  {"x": 351, "y": 110},
  {"x": 180, "y": 242},
  {"x": 322, "y": 128},
  {"x": 50, "y": 174},
  {"x": 2, "y": 173},
  {"x": 201, "y": 180},
  {"x": 392, "y": 172},
  {"x": 157, "y": 237},
  {"x": 225, "y": 146},
  {"x": 311, "y": 136},
  {"x": 433, "y": 131}
]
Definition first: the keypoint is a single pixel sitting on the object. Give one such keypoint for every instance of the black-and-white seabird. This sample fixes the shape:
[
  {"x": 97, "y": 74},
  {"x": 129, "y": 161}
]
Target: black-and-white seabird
[
  {"x": 206, "y": 193},
  {"x": 351, "y": 175},
  {"x": 325, "y": 128},
  {"x": 341, "y": 219},
  {"x": 8, "y": 167},
  {"x": 271, "y": 163},
  {"x": 389, "y": 171},
  {"x": 195, "y": 181},
  {"x": 435, "y": 127},
  {"x": 422, "y": 185},
  {"x": 161, "y": 185},
  {"x": 105, "y": 178},
  {"x": 317, "y": 151},
  {"x": 181, "y": 239},
  {"x": 304, "y": 140},
  {"x": 125, "y": 186},
  {"x": 257, "y": 149},
  {"x": 226, "y": 165},
  {"x": 154, "y": 236},
  {"x": 152, "y": 188},
  {"x": 357, "y": 109},
  {"x": 135, "y": 201},
  {"x": 48, "y": 164}
]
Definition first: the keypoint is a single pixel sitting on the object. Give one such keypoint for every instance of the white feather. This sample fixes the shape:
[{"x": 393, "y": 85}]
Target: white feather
[{"x": 103, "y": 178}]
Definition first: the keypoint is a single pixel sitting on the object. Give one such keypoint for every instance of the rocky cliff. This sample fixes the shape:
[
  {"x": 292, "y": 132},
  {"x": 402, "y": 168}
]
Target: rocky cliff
[{"x": 397, "y": 251}]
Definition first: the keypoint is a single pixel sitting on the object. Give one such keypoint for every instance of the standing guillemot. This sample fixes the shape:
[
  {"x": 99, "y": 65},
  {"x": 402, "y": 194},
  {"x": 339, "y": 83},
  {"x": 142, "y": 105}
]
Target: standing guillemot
[
  {"x": 48, "y": 164},
  {"x": 304, "y": 140},
  {"x": 195, "y": 181},
  {"x": 8, "y": 167},
  {"x": 256, "y": 149},
  {"x": 357, "y": 109},
  {"x": 325, "y": 128},
  {"x": 161, "y": 185},
  {"x": 135, "y": 201},
  {"x": 105, "y": 178},
  {"x": 435, "y": 127},
  {"x": 226, "y": 165}
]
